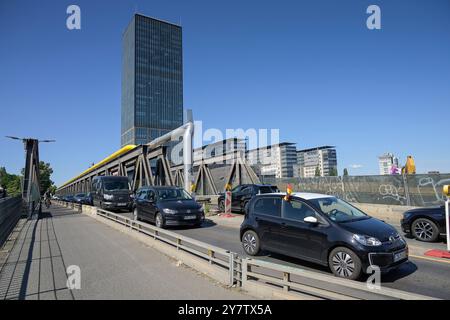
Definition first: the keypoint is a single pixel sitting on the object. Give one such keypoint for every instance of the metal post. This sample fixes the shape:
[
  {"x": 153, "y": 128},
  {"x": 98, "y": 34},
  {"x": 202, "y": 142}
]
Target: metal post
[
  {"x": 231, "y": 268},
  {"x": 244, "y": 269},
  {"x": 447, "y": 221},
  {"x": 406, "y": 188}
]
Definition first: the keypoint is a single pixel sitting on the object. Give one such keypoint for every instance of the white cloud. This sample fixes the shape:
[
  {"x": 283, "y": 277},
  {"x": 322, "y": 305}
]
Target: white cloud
[{"x": 356, "y": 166}]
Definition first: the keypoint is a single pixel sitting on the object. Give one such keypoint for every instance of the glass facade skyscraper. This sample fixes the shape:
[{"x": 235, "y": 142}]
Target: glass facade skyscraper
[{"x": 152, "y": 80}]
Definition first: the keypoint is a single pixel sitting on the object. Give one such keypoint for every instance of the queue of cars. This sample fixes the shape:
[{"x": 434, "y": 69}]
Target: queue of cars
[{"x": 319, "y": 228}]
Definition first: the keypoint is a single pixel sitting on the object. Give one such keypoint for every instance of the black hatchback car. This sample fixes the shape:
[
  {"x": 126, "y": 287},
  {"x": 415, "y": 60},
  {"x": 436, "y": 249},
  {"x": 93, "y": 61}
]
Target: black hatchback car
[
  {"x": 322, "y": 229},
  {"x": 167, "y": 206},
  {"x": 242, "y": 194},
  {"x": 425, "y": 224}
]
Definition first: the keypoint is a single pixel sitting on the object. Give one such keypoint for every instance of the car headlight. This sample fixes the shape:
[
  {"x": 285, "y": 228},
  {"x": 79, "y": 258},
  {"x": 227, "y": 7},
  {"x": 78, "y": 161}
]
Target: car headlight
[
  {"x": 108, "y": 196},
  {"x": 366, "y": 240},
  {"x": 169, "y": 211},
  {"x": 200, "y": 209}
]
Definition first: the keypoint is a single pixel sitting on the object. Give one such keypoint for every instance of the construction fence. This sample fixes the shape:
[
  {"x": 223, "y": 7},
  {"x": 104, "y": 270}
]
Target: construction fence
[{"x": 410, "y": 190}]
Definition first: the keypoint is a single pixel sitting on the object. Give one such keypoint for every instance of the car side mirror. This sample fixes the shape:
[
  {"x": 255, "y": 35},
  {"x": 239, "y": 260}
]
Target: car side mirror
[{"x": 312, "y": 220}]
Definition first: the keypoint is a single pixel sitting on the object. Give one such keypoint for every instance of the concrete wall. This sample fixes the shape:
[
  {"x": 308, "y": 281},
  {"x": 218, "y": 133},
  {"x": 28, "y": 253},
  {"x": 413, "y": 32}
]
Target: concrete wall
[{"x": 390, "y": 213}]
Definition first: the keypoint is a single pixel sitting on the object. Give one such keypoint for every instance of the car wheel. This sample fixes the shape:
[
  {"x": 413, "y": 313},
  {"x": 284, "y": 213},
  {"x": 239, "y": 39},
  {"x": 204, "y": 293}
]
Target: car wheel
[
  {"x": 135, "y": 214},
  {"x": 250, "y": 242},
  {"x": 159, "y": 221},
  {"x": 424, "y": 230},
  {"x": 344, "y": 263},
  {"x": 222, "y": 205}
]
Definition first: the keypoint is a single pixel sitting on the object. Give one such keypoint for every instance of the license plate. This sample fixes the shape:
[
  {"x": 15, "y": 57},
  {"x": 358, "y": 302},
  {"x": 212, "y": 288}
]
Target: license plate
[
  {"x": 121, "y": 204},
  {"x": 189, "y": 217},
  {"x": 399, "y": 255}
]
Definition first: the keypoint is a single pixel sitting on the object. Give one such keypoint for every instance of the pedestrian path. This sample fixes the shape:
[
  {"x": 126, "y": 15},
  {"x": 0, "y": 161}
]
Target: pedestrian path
[{"x": 112, "y": 265}]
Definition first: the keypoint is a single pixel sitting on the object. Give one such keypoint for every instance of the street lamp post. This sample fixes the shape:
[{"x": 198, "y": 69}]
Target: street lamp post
[{"x": 31, "y": 180}]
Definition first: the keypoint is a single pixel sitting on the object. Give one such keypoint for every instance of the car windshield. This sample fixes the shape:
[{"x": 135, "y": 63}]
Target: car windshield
[
  {"x": 116, "y": 185},
  {"x": 80, "y": 195},
  {"x": 173, "y": 194},
  {"x": 338, "y": 210}
]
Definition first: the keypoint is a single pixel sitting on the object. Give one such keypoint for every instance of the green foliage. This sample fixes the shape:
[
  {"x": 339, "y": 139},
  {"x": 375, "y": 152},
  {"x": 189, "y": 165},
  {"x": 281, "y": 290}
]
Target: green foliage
[
  {"x": 333, "y": 172},
  {"x": 46, "y": 172},
  {"x": 10, "y": 182},
  {"x": 13, "y": 183},
  {"x": 345, "y": 172},
  {"x": 317, "y": 173}
]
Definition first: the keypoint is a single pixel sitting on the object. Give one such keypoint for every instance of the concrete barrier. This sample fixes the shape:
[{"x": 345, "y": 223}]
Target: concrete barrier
[{"x": 390, "y": 213}]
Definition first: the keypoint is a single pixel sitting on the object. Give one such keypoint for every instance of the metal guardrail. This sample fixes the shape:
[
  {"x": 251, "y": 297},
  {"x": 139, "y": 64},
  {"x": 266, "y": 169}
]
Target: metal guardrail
[
  {"x": 245, "y": 271},
  {"x": 315, "y": 284},
  {"x": 10, "y": 213},
  {"x": 214, "y": 255}
]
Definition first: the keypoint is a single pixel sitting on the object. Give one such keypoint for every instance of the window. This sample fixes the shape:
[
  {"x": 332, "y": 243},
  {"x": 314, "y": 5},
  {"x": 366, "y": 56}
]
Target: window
[
  {"x": 297, "y": 210},
  {"x": 142, "y": 194},
  {"x": 338, "y": 210},
  {"x": 151, "y": 195},
  {"x": 111, "y": 185},
  {"x": 268, "y": 206},
  {"x": 246, "y": 190},
  {"x": 236, "y": 189},
  {"x": 268, "y": 189},
  {"x": 173, "y": 194}
]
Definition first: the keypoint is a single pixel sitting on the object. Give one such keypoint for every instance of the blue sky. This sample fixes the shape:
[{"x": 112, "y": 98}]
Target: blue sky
[{"x": 310, "y": 68}]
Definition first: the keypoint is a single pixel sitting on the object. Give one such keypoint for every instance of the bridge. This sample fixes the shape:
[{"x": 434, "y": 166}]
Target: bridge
[{"x": 71, "y": 251}]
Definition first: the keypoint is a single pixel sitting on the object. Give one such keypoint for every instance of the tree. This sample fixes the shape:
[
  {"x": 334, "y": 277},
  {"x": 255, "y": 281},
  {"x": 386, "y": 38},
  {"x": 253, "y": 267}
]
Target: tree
[
  {"x": 345, "y": 172},
  {"x": 53, "y": 189},
  {"x": 45, "y": 172},
  {"x": 11, "y": 182},
  {"x": 333, "y": 172},
  {"x": 317, "y": 173}
]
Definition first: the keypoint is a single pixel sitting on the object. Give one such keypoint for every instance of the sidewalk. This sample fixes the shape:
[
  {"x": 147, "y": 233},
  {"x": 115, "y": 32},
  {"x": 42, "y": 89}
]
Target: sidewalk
[{"x": 112, "y": 264}]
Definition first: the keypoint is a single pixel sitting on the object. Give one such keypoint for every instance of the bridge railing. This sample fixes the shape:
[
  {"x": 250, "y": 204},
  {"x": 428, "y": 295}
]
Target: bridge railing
[
  {"x": 261, "y": 278},
  {"x": 10, "y": 212},
  {"x": 210, "y": 253}
]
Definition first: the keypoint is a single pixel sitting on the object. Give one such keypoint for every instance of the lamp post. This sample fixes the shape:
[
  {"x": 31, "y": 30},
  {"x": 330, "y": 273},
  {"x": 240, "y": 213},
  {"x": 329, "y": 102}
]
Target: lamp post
[{"x": 31, "y": 181}]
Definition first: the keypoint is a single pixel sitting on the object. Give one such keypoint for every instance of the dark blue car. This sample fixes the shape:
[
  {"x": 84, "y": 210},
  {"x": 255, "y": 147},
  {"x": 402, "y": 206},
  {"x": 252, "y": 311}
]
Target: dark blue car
[{"x": 425, "y": 224}]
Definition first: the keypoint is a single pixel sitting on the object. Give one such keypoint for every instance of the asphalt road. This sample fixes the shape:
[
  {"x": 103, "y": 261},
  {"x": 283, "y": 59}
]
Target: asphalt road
[
  {"x": 112, "y": 264},
  {"x": 419, "y": 275}
]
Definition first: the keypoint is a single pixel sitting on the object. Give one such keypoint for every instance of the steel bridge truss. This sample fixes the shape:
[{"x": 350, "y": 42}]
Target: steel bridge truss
[{"x": 147, "y": 166}]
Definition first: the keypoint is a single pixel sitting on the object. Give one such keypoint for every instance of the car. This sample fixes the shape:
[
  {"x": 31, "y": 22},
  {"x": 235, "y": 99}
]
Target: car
[
  {"x": 88, "y": 199},
  {"x": 241, "y": 194},
  {"x": 167, "y": 206},
  {"x": 322, "y": 229},
  {"x": 111, "y": 193},
  {"x": 68, "y": 198},
  {"x": 424, "y": 224},
  {"x": 80, "y": 198}
]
